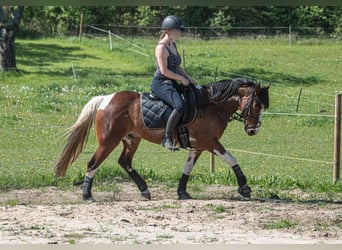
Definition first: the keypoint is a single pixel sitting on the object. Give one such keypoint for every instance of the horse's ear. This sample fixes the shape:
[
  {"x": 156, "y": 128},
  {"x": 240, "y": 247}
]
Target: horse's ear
[
  {"x": 268, "y": 85},
  {"x": 257, "y": 88}
]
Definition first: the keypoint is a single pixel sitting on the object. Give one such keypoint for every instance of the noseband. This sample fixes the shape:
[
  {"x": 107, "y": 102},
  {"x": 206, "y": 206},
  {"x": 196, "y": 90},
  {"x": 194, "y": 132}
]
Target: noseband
[{"x": 246, "y": 112}]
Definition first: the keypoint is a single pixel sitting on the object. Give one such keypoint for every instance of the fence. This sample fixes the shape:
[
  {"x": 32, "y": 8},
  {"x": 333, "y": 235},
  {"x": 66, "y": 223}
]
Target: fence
[{"x": 292, "y": 32}]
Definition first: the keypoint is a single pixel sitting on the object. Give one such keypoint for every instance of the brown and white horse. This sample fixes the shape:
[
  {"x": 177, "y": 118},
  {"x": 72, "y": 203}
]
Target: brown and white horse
[{"x": 118, "y": 118}]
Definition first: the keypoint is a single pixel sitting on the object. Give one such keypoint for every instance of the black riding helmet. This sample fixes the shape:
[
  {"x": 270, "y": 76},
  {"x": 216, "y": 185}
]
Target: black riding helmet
[{"x": 173, "y": 22}]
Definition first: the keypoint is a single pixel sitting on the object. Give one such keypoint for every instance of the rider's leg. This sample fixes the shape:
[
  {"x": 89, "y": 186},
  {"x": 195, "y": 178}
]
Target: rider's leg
[{"x": 170, "y": 127}]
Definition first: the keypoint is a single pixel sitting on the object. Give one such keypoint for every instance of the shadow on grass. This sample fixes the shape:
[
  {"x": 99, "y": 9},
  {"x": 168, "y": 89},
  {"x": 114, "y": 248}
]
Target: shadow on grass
[
  {"x": 261, "y": 75},
  {"x": 278, "y": 77},
  {"x": 43, "y": 57},
  {"x": 40, "y": 54}
]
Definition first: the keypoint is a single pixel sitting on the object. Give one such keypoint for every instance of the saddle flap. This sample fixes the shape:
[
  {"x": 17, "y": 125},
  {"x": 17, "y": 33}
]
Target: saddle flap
[{"x": 156, "y": 113}]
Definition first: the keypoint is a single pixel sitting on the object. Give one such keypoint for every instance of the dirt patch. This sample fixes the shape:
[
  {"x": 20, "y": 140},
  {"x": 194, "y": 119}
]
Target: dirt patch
[{"x": 53, "y": 216}]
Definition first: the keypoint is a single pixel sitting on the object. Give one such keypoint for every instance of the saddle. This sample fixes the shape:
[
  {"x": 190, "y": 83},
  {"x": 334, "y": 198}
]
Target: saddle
[{"x": 156, "y": 113}]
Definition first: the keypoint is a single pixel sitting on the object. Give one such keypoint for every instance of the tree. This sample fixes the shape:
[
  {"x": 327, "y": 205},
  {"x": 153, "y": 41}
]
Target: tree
[
  {"x": 9, "y": 26},
  {"x": 65, "y": 20}
]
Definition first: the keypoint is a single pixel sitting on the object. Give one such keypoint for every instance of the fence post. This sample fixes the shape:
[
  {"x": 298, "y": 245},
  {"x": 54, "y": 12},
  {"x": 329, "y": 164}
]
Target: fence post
[
  {"x": 74, "y": 72},
  {"x": 184, "y": 63},
  {"x": 81, "y": 28},
  {"x": 337, "y": 139},
  {"x": 110, "y": 40},
  {"x": 212, "y": 163},
  {"x": 212, "y": 156},
  {"x": 298, "y": 100},
  {"x": 290, "y": 31}
]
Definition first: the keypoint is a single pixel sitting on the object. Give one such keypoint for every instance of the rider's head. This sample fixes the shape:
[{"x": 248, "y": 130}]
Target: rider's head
[{"x": 173, "y": 22}]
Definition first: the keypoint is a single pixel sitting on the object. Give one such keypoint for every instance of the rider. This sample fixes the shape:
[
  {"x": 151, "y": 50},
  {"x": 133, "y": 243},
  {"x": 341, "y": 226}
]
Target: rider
[{"x": 169, "y": 71}]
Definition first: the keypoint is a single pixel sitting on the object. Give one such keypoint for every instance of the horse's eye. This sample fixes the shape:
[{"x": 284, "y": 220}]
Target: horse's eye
[{"x": 257, "y": 105}]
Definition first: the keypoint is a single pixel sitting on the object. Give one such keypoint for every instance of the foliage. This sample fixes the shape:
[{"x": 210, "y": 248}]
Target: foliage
[
  {"x": 284, "y": 223},
  {"x": 52, "y": 20}
]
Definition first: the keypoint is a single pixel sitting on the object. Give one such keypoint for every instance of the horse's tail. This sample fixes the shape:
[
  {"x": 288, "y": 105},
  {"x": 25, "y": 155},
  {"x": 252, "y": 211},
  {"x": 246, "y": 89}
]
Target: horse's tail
[{"x": 77, "y": 135}]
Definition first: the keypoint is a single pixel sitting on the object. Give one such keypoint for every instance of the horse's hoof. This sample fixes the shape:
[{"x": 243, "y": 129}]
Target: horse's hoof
[
  {"x": 146, "y": 194},
  {"x": 245, "y": 191},
  {"x": 89, "y": 200},
  {"x": 184, "y": 196}
]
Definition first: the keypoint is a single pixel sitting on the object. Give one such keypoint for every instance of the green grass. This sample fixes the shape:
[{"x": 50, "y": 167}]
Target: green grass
[
  {"x": 41, "y": 99},
  {"x": 284, "y": 223}
]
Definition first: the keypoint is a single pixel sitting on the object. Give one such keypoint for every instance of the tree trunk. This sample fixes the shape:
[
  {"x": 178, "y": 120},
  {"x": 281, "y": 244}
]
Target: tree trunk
[{"x": 8, "y": 30}]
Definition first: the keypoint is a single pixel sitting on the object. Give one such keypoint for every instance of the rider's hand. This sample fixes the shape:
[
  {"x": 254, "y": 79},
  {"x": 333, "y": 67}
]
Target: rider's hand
[
  {"x": 185, "y": 81},
  {"x": 191, "y": 80}
]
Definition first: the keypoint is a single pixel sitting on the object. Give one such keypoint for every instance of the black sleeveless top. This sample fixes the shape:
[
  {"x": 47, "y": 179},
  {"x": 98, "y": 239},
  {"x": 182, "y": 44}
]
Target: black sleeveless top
[{"x": 173, "y": 61}]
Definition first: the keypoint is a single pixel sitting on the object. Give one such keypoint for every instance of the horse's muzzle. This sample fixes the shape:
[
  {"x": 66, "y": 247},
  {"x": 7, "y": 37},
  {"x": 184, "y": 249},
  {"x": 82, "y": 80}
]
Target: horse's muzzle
[{"x": 251, "y": 131}]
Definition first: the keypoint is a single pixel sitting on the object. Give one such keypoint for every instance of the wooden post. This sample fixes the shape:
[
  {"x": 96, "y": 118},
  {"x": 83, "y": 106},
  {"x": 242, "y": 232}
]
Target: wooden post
[
  {"x": 298, "y": 99},
  {"x": 184, "y": 65},
  {"x": 337, "y": 139},
  {"x": 110, "y": 40},
  {"x": 212, "y": 156},
  {"x": 216, "y": 69},
  {"x": 212, "y": 163},
  {"x": 74, "y": 72},
  {"x": 290, "y": 31},
  {"x": 81, "y": 28}
]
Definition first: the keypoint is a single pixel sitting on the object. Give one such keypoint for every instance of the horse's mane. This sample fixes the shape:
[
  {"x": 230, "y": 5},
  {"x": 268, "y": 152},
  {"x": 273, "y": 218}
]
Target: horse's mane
[
  {"x": 222, "y": 90},
  {"x": 264, "y": 97}
]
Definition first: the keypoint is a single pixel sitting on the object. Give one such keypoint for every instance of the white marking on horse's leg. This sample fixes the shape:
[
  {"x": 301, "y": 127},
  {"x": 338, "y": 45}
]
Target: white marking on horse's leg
[
  {"x": 227, "y": 157},
  {"x": 91, "y": 173},
  {"x": 190, "y": 163},
  {"x": 106, "y": 101}
]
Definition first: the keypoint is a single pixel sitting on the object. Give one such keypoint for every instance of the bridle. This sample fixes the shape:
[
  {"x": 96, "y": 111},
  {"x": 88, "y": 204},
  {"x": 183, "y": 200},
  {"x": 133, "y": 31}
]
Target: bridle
[{"x": 246, "y": 113}]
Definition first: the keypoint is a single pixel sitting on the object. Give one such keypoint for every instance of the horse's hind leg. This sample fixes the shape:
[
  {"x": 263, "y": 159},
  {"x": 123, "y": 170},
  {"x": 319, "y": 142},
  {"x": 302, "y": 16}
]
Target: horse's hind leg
[
  {"x": 99, "y": 156},
  {"x": 131, "y": 143},
  {"x": 107, "y": 140}
]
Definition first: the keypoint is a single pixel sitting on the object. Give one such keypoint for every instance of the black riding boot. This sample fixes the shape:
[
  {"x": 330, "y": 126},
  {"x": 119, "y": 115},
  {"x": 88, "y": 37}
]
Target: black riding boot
[{"x": 170, "y": 127}]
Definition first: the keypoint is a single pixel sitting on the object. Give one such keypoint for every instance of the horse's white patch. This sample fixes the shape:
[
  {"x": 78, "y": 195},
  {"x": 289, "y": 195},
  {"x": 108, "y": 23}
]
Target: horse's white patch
[
  {"x": 91, "y": 173},
  {"x": 105, "y": 101},
  {"x": 227, "y": 157},
  {"x": 235, "y": 98}
]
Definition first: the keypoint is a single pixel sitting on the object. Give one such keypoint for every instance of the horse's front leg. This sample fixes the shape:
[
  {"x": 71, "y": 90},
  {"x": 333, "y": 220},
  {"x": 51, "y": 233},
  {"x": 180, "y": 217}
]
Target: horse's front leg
[
  {"x": 189, "y": 165},
  {"x": 243, "y": 189}
]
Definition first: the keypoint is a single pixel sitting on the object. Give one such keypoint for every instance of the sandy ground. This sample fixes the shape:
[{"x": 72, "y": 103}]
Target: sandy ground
[{"x": 53, "y": 216}]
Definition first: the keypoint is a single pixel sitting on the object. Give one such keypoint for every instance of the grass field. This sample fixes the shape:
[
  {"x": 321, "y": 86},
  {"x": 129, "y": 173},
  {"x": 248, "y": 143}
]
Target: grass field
[{"x": 40, "y": 100}]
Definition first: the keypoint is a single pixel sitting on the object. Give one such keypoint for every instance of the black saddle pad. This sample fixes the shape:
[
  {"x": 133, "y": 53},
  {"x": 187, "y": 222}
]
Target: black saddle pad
[{"x": 156, "y": 112}]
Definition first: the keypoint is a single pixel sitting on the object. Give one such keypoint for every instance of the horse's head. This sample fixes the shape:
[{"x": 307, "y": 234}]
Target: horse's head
[{"x": 253, "y": 101}]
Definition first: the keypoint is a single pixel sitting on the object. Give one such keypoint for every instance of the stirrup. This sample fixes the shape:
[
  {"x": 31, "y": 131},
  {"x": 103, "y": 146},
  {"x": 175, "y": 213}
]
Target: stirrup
[{"x": 167, "y": 143}]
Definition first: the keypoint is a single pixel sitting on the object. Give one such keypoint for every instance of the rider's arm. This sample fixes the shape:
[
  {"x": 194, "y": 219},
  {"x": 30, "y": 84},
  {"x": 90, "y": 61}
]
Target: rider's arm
[
  {"x": 182, "y": 72},
  {"x": 162, "y": 54}
]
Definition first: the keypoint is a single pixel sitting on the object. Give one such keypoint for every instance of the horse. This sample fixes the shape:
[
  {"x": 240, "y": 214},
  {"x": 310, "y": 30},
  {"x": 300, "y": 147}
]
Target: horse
[{"x": 118, "y": 118}]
